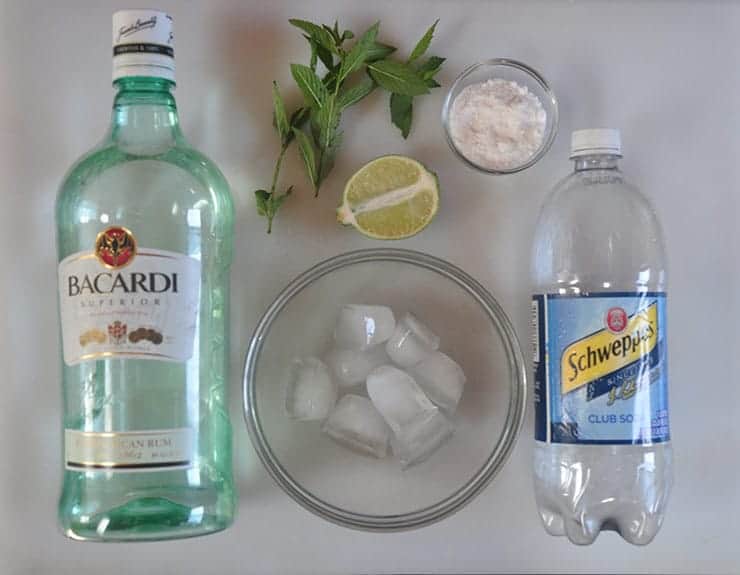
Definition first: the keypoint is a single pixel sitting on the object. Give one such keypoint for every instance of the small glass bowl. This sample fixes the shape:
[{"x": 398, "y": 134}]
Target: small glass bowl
[
  {"x": 377, "y": 494},
  {"x": 507, "y": 70}
]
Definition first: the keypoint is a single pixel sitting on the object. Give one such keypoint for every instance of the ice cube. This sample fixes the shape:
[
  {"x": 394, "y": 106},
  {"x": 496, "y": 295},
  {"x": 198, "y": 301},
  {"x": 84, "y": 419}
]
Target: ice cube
[
  {"x": 351, "y": 367},
  {"x": 311, "y": 391},
  {"x": 356, "y": 424},
  {"x": 396, "y": 395},
  {"x": 418, "y": 439},
  {"x": 362, "y": 326},
  {"x": 411, "y": 342},
  {"x": 441, "y": 378}
]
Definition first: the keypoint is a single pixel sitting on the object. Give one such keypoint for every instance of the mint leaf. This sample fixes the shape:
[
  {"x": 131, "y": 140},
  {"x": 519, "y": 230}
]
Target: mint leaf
[
  {"x": 326, "y": 58},
  {"x": 402, "y": 105},
  {"x": 317, "y": 33},
  {"x": 334, "y": 32},
  {"x": 423, "y": 44},
  {"x": 262, "y": 197},
  {"x": 280, "y": 115},
  {"x": 325, "y": 126},
  {"x": 314, "y": 47},
  {"x": 356, "y": 93},
  {"x": 280, "y": 200},
  {"x": 328, "y": 156},
  {"x": 357, "y": 55},
  {"x": 330, "y": 80},
  {"x": 327, "y": 118},
  {"x": 402, "y": 112},
  {"x": 268, "y": 204},
  {"x": 318, "y": 51},
  {"x": 397, "y": 77},
  {"x": 430, "y": 68},
  {"x": 379, "y": 51},
  {"x": 308, "y": 154},
  {"x": 310, "y": 84},
  {"x": 298, "y": 118}
]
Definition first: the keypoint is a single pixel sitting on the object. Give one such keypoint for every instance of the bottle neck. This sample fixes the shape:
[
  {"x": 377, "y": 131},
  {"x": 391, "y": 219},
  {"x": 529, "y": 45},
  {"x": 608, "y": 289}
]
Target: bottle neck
[
  {"x": 145, "y": 115},
  {"x": 597, "y": 162}
]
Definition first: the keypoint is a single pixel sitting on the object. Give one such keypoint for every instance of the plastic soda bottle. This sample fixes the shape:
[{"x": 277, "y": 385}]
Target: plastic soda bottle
[{"x": 603, "y": 458}]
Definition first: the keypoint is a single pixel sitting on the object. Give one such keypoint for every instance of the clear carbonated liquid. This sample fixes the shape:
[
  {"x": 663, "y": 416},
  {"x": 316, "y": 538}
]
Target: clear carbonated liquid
[{"x": 596, "y": 233}]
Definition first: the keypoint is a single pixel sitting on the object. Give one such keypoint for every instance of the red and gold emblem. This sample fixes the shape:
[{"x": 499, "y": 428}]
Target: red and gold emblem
[
  {"x": 115, "y": 247},
  {"x": 117, "y": 332}
]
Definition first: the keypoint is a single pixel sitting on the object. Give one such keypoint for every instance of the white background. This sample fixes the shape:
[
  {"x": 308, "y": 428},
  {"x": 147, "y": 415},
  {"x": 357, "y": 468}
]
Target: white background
[{"x": 667, "y": 74}]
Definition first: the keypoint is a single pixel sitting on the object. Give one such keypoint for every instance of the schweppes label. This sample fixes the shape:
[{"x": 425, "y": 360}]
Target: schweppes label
[
  {"x": 600, "y": 368},
  {"x": 602, "y": 354}
]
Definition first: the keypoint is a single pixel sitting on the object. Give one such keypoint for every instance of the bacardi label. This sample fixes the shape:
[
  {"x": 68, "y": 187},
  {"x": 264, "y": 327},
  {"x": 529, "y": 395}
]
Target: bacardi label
[{"x": 121, "y": 300}]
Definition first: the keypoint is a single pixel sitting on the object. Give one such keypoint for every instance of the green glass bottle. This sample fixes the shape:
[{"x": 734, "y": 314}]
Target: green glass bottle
[{"x": 144, "y": 235}]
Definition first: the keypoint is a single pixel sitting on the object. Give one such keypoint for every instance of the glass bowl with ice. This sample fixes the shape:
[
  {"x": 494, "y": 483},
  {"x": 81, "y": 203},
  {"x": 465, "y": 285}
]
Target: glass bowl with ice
[{"x": 383, "y": 389}]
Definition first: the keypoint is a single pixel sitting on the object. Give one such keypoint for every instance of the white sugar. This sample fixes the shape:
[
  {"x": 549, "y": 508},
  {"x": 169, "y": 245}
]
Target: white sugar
[{"x": 497, "y": 124}]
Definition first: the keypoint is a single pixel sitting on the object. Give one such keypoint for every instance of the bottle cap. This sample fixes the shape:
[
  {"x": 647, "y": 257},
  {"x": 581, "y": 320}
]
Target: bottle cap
[
  {"x": 595, "y": 141},
  {"x": 143, "y": 44}
]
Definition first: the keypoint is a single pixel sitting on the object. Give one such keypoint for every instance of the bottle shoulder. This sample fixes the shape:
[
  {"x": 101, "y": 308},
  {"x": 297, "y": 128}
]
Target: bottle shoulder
[
  {"x": 108, "y": 154},
  {"x": 597, "y": 187},
  {"x": 605, "y": 201},
  {"x": 176, "y": 200},
  {"x": 197, "y": 163},
  {"x": 108, "y": 166},
  {"x": 596, "y": 230}
]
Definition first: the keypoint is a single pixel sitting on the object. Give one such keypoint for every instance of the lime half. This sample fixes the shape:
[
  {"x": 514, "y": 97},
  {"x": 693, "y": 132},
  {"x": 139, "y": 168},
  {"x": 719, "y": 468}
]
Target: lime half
[{"x": 390, "y": 198}]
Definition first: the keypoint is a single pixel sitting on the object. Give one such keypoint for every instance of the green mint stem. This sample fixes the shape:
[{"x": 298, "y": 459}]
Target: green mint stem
[
  {"x": 275, "y": 176},
  {"x": 278, "y": 164}
]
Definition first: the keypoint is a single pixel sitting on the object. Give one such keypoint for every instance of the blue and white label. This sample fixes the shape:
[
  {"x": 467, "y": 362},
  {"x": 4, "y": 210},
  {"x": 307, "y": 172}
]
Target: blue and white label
[{"x": 601, "y": 372}]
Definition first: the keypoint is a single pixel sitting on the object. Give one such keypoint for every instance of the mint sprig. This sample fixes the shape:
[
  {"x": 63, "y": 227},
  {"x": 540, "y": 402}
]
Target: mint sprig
[
  {"x": 349, "y": 75},
  {"x": 268, "y": 202},
  {"x": 402, "y": 104}
]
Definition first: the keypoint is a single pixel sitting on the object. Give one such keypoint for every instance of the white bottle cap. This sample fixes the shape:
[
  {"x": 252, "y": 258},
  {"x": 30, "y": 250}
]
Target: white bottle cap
[
  {"x": 143, "y": 44},
  {"x": 598, "y": 141}
]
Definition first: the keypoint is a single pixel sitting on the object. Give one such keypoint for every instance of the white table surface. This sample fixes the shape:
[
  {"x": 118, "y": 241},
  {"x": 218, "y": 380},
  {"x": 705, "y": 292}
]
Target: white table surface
[{"x": 667, "y": 74}]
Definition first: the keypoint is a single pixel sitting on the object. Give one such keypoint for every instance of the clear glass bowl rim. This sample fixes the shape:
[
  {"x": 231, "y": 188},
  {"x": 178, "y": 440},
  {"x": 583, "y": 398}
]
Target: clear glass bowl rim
[
  {"x": 551, "y": 105},
  {"x": 495, "y": 461}
]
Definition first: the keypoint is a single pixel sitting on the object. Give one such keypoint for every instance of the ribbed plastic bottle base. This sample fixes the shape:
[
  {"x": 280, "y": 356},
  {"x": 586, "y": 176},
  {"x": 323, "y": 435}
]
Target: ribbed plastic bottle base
[{"x": 634, "y": 525}]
